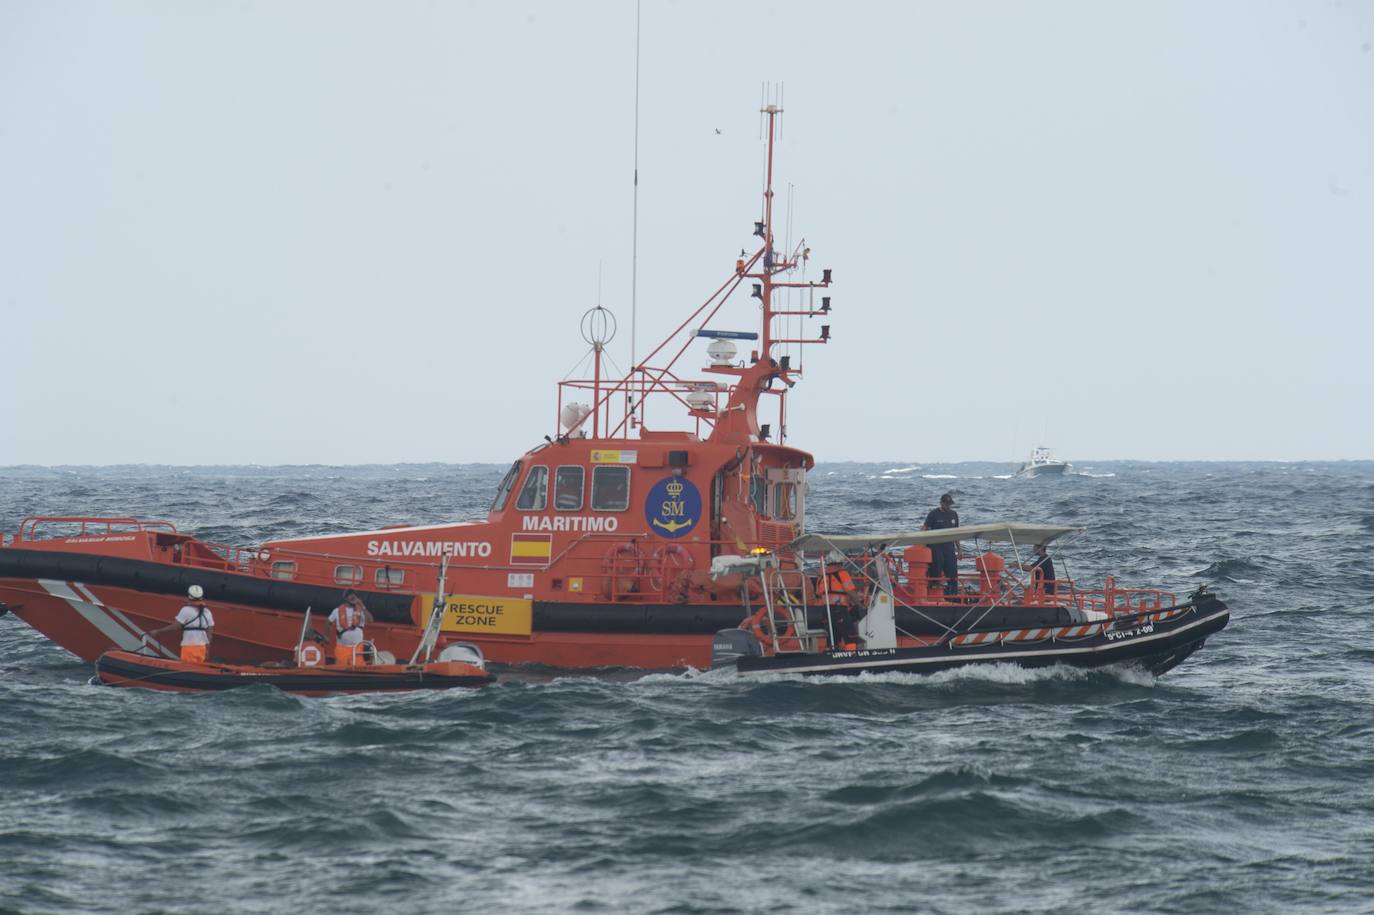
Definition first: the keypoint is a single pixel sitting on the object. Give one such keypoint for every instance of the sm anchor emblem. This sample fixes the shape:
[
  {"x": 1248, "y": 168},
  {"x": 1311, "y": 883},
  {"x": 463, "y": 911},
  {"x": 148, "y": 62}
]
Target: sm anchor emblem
[{"x": 673, "y": 507}]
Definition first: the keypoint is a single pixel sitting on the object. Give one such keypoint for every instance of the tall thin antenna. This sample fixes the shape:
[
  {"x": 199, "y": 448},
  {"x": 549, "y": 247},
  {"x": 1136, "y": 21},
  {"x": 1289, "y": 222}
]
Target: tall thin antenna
[{"x": 634, "y": 231}]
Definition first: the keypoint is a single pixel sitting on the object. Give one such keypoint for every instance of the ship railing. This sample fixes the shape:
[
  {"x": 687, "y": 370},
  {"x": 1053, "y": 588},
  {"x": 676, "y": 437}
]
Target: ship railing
[
  {"x": 785, "y": 618},
  {"x": 85, "y": 526},
  {"x": 642, "y": 380},
  {"x": 1118, "y": 601},
  {"x": 656, "y": 385},
  {"x": 982, "y": 591},
  {"x": 221, "y": 556},
  {"x": 1066, "y": 592},
  {"x": 636, "y": 568}
]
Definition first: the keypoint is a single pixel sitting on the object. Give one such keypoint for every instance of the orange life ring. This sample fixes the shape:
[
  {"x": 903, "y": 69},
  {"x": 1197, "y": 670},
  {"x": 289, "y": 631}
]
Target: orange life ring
[
  {"x": 622, "y": 567},
  {"x": 669, "y": 564},
  {"x": 757, "y": 625},
  {"x": 310, "y": 656}
]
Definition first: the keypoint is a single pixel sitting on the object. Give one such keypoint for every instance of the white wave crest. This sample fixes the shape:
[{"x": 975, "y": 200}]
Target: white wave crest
[{"x": 1002, "y": 674}]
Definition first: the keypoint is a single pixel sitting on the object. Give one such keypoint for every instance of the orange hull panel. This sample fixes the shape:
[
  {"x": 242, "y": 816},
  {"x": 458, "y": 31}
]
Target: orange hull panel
[{"x": 90, "y": 620}]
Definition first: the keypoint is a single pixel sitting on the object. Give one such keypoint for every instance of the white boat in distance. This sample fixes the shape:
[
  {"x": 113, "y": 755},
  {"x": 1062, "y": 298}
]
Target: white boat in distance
[{"x": 1042, "y": 463}]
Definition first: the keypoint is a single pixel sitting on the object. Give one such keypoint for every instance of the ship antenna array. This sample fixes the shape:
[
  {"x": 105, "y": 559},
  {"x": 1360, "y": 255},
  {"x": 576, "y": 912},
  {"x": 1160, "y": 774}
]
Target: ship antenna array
[{"x": 634, "y": 228}]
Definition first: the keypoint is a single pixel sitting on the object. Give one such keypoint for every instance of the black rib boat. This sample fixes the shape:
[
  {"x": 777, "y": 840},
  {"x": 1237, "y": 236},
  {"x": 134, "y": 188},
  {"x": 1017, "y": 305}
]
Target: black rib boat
[{"x": 1001, "y": 621}]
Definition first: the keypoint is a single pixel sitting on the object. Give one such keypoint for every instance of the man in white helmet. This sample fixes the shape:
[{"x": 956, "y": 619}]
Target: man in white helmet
[{"x": 197, "y": 625}]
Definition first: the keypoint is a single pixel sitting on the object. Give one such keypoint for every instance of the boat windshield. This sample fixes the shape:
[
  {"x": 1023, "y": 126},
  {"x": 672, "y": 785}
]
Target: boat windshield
[{"x": 507, "y": 484}]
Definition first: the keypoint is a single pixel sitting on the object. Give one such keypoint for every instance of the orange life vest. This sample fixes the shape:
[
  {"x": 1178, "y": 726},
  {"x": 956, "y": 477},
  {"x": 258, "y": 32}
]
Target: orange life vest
[
  {"x": 349, "y": 618},
  {"x": 839, "y": 581}
]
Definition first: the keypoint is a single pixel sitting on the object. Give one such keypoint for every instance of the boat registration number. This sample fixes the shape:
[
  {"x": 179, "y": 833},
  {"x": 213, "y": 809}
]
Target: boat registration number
[{"x": 1115, "y": 634}]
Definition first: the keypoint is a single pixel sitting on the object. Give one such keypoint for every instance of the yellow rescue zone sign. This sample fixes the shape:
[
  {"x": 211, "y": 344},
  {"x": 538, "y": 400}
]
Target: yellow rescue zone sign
[{"x": 477, "y": 613}]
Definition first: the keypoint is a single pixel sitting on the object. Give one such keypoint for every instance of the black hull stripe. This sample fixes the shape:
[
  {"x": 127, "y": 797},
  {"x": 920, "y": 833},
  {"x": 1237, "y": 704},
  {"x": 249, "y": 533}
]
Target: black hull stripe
[
  {"x": 548, "y": 616},
  {"x": 164, "y": 578}
]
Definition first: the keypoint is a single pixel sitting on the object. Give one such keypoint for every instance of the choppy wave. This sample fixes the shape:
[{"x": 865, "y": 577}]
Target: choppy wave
[
  {"x": 1240, "y": 782},
  {"x": 1236, "y": 570}
]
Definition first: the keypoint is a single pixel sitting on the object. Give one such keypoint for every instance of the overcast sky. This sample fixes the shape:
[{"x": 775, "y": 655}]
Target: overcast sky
[{"x": 243, "y": 232}]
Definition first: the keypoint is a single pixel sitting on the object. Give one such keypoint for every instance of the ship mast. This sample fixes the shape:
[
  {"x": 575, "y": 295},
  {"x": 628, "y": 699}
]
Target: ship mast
[
  {"x": 772, "y": 111},
  {"x": 773, "y": 264},
  {"x": 737, "y": 420}
]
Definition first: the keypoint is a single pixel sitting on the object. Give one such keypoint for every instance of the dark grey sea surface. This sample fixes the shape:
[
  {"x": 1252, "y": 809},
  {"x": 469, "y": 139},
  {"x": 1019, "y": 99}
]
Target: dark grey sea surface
[{"x": 1241, "y": 782}]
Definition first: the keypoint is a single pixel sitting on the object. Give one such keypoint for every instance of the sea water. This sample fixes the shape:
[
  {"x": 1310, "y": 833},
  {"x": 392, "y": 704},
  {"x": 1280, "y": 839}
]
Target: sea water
[{"x": 1241, "y": 781}]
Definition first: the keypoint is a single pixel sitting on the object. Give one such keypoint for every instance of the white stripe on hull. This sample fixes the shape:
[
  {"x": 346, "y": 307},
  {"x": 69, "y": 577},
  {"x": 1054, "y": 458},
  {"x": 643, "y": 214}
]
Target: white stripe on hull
[{"x": 112, "y": 623}]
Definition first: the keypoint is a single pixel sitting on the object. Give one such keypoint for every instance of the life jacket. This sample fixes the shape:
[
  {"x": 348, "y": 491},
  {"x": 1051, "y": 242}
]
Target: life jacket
[
  {"x": 836, "y": 583},
  {"x": 349, "y": 618},
  {"x": 197, "y": 624}
]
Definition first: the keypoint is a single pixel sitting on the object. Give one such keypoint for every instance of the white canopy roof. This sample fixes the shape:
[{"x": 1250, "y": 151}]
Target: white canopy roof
[{"x": 997, "y": 531}]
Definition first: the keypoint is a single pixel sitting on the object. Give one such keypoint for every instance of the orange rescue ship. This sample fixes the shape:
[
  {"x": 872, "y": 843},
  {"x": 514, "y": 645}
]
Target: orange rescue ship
[
  {"x": 597, "y": 548},
  {"x": 623, "y": 542}
]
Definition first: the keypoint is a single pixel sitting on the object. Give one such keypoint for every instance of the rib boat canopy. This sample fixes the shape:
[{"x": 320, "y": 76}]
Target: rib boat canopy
[{"x": 996, "y": 532}]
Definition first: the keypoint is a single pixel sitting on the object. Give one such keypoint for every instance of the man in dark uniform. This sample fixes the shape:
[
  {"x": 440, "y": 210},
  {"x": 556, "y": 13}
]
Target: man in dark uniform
[
  {"x": 1041, "y": 568},
  {"x": 944, "y": 556}
]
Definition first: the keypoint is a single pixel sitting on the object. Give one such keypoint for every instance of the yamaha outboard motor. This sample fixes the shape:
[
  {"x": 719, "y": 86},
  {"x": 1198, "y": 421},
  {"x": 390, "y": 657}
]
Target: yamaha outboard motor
[{"x": 730, "y": 645}]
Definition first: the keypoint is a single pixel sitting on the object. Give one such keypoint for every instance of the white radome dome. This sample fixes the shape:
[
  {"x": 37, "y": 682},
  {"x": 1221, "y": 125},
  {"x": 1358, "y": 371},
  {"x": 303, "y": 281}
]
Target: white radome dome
[
  {"x": 572, "y": 414},
  {"x": 700, "y": 400},
  {"x": 722, "y": 352}
]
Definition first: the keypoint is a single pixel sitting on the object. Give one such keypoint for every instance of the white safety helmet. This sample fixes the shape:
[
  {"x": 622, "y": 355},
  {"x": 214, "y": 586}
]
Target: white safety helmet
[{"x": 195, "y": 592}]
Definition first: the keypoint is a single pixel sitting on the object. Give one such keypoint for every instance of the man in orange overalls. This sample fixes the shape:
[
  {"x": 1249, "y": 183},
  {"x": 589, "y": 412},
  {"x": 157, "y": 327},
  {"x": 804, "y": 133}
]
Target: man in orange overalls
[{"x": 197, "y": 625}]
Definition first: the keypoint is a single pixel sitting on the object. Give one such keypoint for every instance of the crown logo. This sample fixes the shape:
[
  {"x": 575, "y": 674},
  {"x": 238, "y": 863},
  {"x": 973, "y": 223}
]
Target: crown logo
[{"x": 675, "y": 488}]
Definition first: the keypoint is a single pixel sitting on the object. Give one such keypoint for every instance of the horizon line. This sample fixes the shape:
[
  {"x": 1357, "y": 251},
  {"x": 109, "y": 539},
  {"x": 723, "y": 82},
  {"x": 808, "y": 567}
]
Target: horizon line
[{"x": 148, "y": 464}]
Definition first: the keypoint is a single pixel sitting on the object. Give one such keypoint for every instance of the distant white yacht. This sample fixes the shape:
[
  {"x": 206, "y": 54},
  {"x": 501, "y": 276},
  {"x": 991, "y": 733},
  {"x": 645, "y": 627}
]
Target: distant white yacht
[{"x": 1042, "y": 463}]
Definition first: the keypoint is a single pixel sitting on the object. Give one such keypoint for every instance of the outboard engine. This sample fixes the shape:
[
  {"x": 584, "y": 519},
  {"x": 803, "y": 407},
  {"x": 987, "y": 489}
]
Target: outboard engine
[
  {"x": 463, "y": 652},
  {"x": 730, "y": 645}
]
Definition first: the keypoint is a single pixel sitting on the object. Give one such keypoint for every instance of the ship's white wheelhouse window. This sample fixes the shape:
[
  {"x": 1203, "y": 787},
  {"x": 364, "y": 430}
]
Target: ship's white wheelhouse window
[
  {"x": 507, "y": 484},
  {"x": 348, "y": 575},
  {"x": 784, "y": 501},
  {"x": 610, "y": 489},
  {"x": 758, "y": 493},
  {"x": 788, "y": 485},
  {"x": 388, "y": 577},
  {"x": 284, "y": 569},
  {"x": 534, "y": 496},
  {"x": 567, "y": 488}
]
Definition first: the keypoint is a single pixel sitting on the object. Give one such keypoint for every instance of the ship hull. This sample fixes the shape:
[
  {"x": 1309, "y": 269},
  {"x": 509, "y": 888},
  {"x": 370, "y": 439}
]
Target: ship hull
[
  {"x": 93, "y": 604},
  {"x": 126, "y": 669},
  {"x": 1155, "y": 641},
  {"x": 89, "y": 620},
  {"x": 1043, "y": 470}
]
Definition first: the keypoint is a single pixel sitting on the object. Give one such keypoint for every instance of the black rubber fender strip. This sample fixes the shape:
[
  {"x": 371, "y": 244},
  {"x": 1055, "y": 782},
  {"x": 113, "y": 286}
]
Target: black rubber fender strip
[{"x": 164, "y": 578}]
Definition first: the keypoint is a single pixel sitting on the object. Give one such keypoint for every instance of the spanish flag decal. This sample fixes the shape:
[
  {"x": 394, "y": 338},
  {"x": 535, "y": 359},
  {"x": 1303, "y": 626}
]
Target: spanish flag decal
[{"x": 531, "y": 549}]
